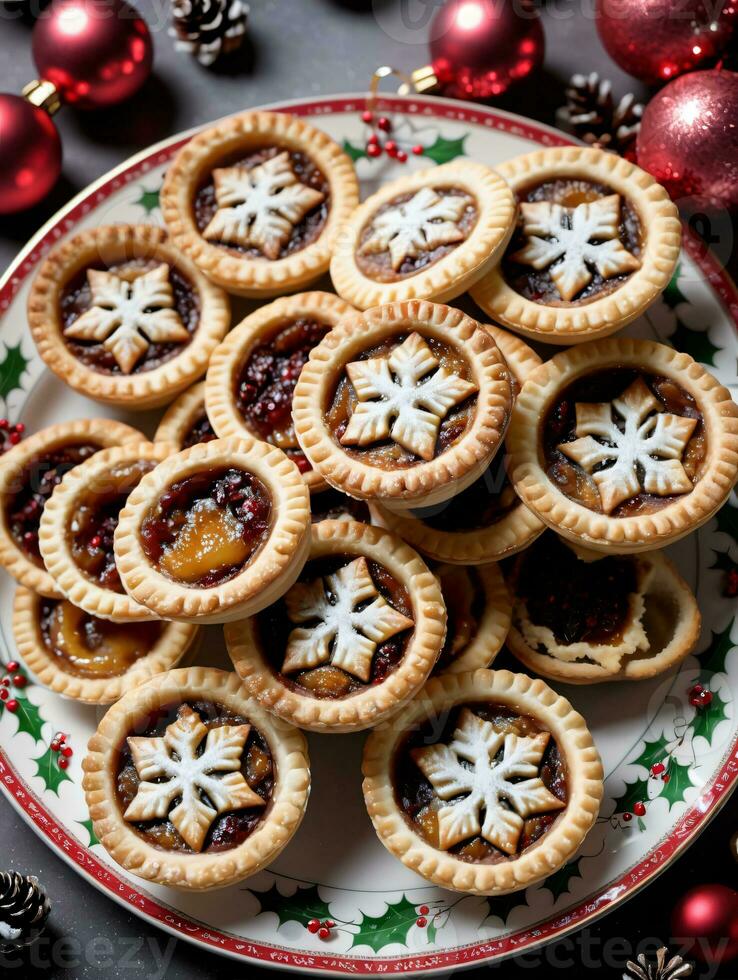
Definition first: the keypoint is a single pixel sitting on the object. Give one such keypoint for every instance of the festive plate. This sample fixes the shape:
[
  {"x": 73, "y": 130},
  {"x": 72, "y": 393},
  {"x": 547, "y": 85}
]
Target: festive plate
[{"x": 669, "y": 765}]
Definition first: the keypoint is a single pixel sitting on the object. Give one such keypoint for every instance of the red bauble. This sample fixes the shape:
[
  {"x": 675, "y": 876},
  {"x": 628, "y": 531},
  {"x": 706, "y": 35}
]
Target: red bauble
[
  {"x": 30, "y": 161},
  {"x": 656, "y": 40},
  {"x": 707, "y": 918},
  {"x": 96, "y": 52},
  {"x": 479, "y": 48},
  {"x": 689, "y": 138}
]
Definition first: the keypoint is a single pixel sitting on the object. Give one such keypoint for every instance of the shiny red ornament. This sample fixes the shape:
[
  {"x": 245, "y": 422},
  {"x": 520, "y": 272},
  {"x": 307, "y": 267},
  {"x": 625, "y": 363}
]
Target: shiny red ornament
[
  {"x": 706, "y": 920},
  {"x": 656, "y": 40},
  {"x": 479, "y": 48},
  {"x": 689, "y": 138},
  {"x": 30, "y": 162},
  {"x": 96, "y": 52}
]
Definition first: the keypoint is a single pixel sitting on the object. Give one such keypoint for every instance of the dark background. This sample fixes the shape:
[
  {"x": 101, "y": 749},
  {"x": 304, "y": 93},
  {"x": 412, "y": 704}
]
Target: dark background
[{"x": 300, "y": 48}]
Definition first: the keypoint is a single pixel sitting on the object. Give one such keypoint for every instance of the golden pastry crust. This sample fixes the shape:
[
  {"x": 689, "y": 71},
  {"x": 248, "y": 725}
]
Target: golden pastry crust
[
  {"x": 377, "y": 701},
  {"x": 205, "y": 870},
  {"x": 83, "y": 482},
  {"x": 102, "y": 432},
  {"x": 181, "y": 416},
  {"x": 259, "y": 328},
  {"x": 671, "y": 624},
  {"x": 174, "y": 642},
  {"x": 524, "y": 695},
  {"x": 643, "y": 532},
  {"x": 243, "y": 133},
  {"x": 428, "y": 482},
  {"x": 108, "y": 245},
  {"x": 453, "y": 273},
  {"x": 659, "y": 218},
  {"x": 267, "y": 576},
  {"x": 493, "y": 625}
]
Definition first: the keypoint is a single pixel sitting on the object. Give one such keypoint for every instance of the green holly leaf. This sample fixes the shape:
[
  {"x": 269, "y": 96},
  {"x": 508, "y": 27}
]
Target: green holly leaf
[
  {"x": 444, "y": 150},
  {"x": 712, "y": 661},
  {"x": 149, "y": 200},
  {"x": 304, "y": 905},
  {"x": 724, "y": 562},
  {"x": 355, "y": 152},
  {"x": 501, "y": 906},
  {"x": 678, "y": 783},
  {"x": 87, "y": 824},
  {"x": 559, "y": 883},
  {"x": 707, "y": 719},
  {"x": 392, "y": 926},
  {"x": 12, "y": 366},
  {"x": 673, "y": 295},
  {"x": 431, "y": 931},
  {"x": 696, "y": 343},
  {"x": 29, "y": 718},
  {"x": 653, "y": 752},
  {"x": 636, "y": 792},
  {"x": 727, "y": 520},
  {"x": 47, "y": 766}
]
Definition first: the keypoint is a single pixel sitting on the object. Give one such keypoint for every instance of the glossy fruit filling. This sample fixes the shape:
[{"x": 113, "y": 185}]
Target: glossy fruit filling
[{"x": 200, "y": 431}]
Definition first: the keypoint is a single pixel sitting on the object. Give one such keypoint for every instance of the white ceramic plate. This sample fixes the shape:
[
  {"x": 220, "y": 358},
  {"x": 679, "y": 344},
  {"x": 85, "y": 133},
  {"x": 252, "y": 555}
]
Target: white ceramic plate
[{"x": 335, "y": 868}]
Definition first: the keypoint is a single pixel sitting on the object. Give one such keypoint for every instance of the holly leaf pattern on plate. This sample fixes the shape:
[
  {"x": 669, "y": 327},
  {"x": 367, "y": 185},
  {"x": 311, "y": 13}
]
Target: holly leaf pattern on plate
[
  {"x": 559, "y": 883},
  {"x": 392, "y": 926},
  {"x": 12, "y": 366},
  {"x": 679, "y": 782},
  {"x": 712, "y": 661},
  {"x": 673, "y": 295},
  {"x": 47, "y": 767},
  {"x": 87, "y": 824},
  {"x": 355, "y": 152},
  {"x": 707, "y": 719},
  {"x": 443, "y": 150},
  {"x": 653, "y": 752},
  {"x": 149, "y": 200},
  {"x": 501, "y": 906},
  {"x": 305, "y": 904},
  {"x": 29, "y": 718},
  {"x": 696, "y": 343},
  {"x": 636, "y": 792},
  {"x": 727, "y": 520}
]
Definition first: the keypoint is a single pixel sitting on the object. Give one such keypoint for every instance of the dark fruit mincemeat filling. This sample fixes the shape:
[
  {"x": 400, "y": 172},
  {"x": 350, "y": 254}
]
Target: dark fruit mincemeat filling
[
  {"x": 201, "y": 430},
  {"x": 208, "y": 526},
  {"x": 486, "y": 501},
  {"x": 332, "y": 505}
]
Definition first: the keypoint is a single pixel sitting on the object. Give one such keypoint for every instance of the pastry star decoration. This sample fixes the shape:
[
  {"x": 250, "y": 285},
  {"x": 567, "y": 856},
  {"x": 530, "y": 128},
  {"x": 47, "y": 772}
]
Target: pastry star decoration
[
  {"x": 584, "y": 236},
  {"x": 261, "y": 206},
  {"x": 345, "y": 618},
  {"x": 419, "y": 225},
  {"x": 644, "y": 445},
  {"x": 486, "y": 784},
  {"x": 207, "y": 784},
  {"x": 129, "y": 316},
  {"x": 404, "y": 396}
]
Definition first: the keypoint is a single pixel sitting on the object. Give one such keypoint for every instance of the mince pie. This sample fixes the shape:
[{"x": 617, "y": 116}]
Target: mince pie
[
  {"x": 353, "y": 639},
  {"x": 78, "y": 526},
  {"x": 253, "y": 373},
  {"x": 405, "y": 403},
  {"x": 617, "y": 617},
  {"x": 90, "y": 659},
  {"x": 488, "y": 782},
  {"x": 487, "y": 521},
  {"x": 428, "y": 235},
  {"x": 623, "y": 445},
  {"x": 29, "y": 473},
  {"x": 257, "y": 201},
  {"x": 185, "y": 422},
  {"x": 597, "y": 240},
  {"x": 215, "y": 532},
  {"x": 120, "y": 315},
  {"x": 327, "y": 504},
  {"x": 191, "y": 784}
]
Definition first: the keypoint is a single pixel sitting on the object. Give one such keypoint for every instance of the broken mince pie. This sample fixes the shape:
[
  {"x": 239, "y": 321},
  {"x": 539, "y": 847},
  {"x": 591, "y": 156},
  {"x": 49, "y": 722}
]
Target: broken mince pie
[
  {"x": 487, "y": 783},
  {"x": 78, "y": 526},
  {"x": 352, "y": 640},
  {"x": 597, "y": 241},
  {"x": 185, "y": 422},
  {"x": 405, "y": 403},
  {"x": 253, "y": 373},
  {"x": 618, "y": 617},
  {"x": 90, "y": 659},
  {"x": 121, "y": 316},
  {"x": 623, "y": 445},
  {"x": 257, "y": 200},
  {"x": 478, "y": 611},
  {"x": 428, "y": 235},
  {"x": 29, "y": 473},
  {"x": 215, "y": 532},
  {"x": 191, "y": 784},
  {"x": 487, "y": 521}
]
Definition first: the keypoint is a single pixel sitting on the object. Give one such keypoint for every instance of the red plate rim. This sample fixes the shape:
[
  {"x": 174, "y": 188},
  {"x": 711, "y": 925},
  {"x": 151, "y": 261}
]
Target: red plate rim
[{"x": 125, "y": 892}]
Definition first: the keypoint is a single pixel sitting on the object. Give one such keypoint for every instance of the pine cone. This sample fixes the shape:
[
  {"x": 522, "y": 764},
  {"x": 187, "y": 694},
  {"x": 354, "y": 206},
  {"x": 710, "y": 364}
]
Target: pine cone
[
  {"x": 663, "y": 969},
  {"x": 208, "y": 28},
  {"x": 24, "y": 909},
  {"x": 592, "y": 114}
]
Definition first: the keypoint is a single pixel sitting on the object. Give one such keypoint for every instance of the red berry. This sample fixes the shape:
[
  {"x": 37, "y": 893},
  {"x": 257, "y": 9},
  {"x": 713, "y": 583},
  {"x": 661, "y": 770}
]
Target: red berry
[
  {"x": 55, "y": 746},
  {"x": 60, "y": 737},
  {"x": 20, "y": 427},
  {"x": 313, "y": 925},
  {"x": 373, "y": 150},
  {"x": 367, "y": 116},
  {"x": 67, "y": 751},
  {"x": 12, "y": 705},
  {"x": 418, "y": 149},
  {"x": 390, "y": 148},
  {"x": 329, "y": 923},
  {"x": 424, "y": 910},
  {"x": 666, "y": 777},
  {"x": 373, "y": 138},
  {"x": 5, "y": 682},
  {"x": 63, "y": 763},
  {"x": 14, "y": 438},
  {"x": 701, "y": 700},
  {"x": 657, "y": 768},
  {"x": 384, "y": 124},
  {"x": 639, "y": 809},
  {"x": 12, "y": 666},
  {"x": 4, "y": 694},
  {"x": 19, "y": 680},
  {"x": 697, "y": 689},
  {"x": 4, "y": 423},
  {"x": 401, "y": 156},
  {"x": 422, "y": 922},
  {"x": 627, "y": 817},
  {"x": 323, "y": 932}
]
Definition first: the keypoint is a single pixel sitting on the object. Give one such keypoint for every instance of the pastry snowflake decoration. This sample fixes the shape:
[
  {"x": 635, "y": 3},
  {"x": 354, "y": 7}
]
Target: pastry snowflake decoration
[
  {"x": 419, "y": 225},
  {"x": 345, "y": 619},
  {"x": 404, "y": 396},
  {"x": 642, "y": 445},
  {"x": 575, "y": 239},
  {"x": 127, "y": 317},
  {"x": 505, "y": 790},
  {"x": 260, "y": 207},
  {"x": 206, "y": 784}
]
